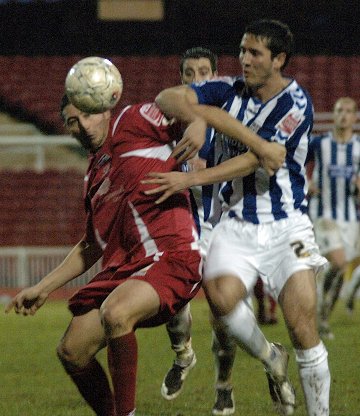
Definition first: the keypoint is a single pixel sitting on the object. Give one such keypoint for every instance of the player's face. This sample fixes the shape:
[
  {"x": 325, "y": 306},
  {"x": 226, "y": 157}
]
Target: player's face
[
  {"x": 196, "y": 70},
  {"x": 344, "y": 114},
  {"x": 89, "y": 129},
  {"x": 256, "y": 62}
]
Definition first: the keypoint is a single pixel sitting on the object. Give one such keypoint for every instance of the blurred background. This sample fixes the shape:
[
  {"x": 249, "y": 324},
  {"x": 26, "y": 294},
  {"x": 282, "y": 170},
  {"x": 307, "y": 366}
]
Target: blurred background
[{"x": 41, "y": 168}]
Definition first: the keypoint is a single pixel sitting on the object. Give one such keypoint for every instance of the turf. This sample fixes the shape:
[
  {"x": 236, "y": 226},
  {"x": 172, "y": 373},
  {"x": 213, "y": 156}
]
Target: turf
[{"x": 34, "y": 383}]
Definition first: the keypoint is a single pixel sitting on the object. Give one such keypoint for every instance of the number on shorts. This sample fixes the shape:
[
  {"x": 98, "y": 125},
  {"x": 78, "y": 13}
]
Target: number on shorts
[{"x": 298, "y": 246}]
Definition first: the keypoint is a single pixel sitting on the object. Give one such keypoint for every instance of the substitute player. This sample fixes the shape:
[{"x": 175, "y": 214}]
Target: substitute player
[
  {"x": 264, "y": 230},
  {"x": 334, "y": 161}
]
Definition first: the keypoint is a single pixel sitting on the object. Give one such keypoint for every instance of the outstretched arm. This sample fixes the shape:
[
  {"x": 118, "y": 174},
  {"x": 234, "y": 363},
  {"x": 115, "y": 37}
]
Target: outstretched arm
[
  {"x": 271, "y": 157},
  {"x": 173, "y": 182},
  {"x": 177, "y": 102},
  {"x": 79, "y": 260},
  {"x": 182, "y": 103}
]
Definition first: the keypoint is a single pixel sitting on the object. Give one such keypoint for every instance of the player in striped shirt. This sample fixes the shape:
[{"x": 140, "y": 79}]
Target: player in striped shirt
[
  {"x": 264, "y": 230},
  {"x": 334, "y": 160},
  {"x": 200, "y": 64}
]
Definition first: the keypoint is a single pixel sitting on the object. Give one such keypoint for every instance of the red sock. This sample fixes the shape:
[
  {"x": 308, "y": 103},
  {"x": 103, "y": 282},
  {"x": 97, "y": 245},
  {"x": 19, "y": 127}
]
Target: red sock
[
  {"x": 273, "y": 304},
  {"x": 122, "y": 359},
  {"x": 94, "y": 387}
]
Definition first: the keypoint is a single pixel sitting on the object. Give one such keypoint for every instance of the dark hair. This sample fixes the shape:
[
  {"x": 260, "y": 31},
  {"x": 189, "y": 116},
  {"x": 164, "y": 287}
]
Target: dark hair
[
  {"x": 64, "y": 102},
  {"x": 197, "y": 53},
  {"x": 277, "y": 34}
]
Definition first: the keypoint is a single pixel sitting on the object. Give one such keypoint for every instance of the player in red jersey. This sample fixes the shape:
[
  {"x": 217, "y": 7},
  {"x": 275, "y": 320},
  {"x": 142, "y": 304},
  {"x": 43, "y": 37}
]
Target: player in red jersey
[{"x": 150, "y": 257}]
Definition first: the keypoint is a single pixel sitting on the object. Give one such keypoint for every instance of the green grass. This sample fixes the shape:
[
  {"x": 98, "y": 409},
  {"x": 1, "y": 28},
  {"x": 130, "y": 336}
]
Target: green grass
[{"x": 34, "y": 383}]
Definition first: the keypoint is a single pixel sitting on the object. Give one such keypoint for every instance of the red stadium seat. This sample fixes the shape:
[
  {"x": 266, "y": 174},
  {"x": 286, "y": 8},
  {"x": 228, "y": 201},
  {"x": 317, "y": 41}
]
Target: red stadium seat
[{"x": 26, "y": 91}]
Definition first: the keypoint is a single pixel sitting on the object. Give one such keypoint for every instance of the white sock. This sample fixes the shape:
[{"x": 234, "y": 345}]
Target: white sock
[
  {"x": 315, "y": 379},
  {"x": 242, "y": 325}
]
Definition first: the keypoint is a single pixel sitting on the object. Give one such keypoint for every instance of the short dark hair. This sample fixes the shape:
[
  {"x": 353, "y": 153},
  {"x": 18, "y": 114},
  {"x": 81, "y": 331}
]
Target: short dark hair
[
  {"x": 64, "y": 102},
  {"x": 197, "y": 53},
  {"x": 278, "y": 36}
]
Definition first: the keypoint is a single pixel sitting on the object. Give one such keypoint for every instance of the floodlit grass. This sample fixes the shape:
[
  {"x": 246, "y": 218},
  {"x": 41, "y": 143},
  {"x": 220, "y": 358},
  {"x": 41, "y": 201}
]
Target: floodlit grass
[{"x": 34, "y": 383}]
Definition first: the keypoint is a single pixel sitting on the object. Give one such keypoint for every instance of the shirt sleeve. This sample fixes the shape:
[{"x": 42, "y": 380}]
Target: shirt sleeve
[{"x": 214, "y": 92}]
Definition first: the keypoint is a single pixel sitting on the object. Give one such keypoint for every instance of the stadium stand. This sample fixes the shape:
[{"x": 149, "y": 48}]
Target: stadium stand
[
  {"x": 35, "y": 84},
  {"x": 41, "y": 212},
  {"x": 41, "y": 209}
]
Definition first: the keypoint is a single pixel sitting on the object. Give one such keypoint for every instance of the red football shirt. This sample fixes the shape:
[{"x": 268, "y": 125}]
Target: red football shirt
[{"x": 127, "y": 225}]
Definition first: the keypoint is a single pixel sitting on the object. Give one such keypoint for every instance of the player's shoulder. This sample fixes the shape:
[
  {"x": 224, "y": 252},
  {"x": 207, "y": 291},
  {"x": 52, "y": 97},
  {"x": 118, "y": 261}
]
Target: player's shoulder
[
  {"x": 298, "y": 94},
  {"x": 142, "y": 114}
]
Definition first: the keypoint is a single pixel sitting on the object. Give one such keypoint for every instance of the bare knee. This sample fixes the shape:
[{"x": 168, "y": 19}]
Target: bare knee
[
  {"x": 115, "y": 319},
  {"x": 71, "y": 358},
  {"x": 303, "y": 331},
  {"x": 298, "y": 302},
  {"x": 223, "y": 294}
]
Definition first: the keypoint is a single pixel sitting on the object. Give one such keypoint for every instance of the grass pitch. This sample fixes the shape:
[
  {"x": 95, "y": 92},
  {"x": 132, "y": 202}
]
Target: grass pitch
[{"x": 34, "y": 383}]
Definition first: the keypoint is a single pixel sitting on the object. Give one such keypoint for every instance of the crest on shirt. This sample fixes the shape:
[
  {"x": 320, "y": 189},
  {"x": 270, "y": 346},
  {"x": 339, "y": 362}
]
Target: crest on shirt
[
  {"x": 289, "y": 122},
  {"x": 152, "y": 113}
]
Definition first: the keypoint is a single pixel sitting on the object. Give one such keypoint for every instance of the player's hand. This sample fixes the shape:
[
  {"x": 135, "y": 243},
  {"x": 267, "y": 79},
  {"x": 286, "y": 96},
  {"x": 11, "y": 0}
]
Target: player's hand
[
  {"x": 195, "y": 164},
  {"x": 273, "y": 157},
  {"x": 27, "y": 302},
  {"x": 191, "y": 142},
  {"x": 169, "y": 184}
]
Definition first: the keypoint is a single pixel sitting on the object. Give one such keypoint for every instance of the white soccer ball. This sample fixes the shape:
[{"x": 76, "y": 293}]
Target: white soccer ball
[{"x": 94, "y": 85}]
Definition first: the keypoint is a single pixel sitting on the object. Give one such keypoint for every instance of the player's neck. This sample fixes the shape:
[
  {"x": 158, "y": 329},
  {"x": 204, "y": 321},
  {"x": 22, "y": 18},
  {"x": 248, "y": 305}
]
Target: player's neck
[
  {"x": 342, "y": 135},
  {"x": 272, "y": 87}
]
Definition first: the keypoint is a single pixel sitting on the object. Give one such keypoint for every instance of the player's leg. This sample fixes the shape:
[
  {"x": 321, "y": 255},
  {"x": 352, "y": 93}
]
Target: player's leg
[
  {"x": 179, "y": 332},
  {"x": 352, "y": 288},
  {"x": 272, "y": 310},
  {"x": 229, "y": 261},
  {"x": 77, "y": 349},
  {"x": 329, "y": 237},
  {"x": 260, "y": 298},
  {"x": 298, "y": 302},
  {"x": 227, "y": 299},
  {"x": 224, "y": 351},
  {"x": 130, "y": 303}
]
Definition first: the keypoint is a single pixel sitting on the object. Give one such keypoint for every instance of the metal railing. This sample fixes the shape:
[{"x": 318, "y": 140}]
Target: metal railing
[{"x": 26, "y": 266}]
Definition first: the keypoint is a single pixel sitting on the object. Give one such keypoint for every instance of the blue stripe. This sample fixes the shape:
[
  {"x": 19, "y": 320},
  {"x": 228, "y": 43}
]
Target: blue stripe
[
  {"x": 333, "y": 180},
  {"x": 297, "y": 179},
  {"x": 320, "y": 182},
  {"x": 349, "y": 150},
  {"x": 249, "y": 210}
]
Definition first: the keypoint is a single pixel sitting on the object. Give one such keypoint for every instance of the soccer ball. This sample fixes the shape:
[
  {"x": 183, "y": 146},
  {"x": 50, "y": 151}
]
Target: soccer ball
[{"x": 94, "y": 85}]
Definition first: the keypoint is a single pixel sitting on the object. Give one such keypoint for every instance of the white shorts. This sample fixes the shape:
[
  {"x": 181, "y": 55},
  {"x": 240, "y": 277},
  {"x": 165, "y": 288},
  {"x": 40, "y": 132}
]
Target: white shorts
[
  {"x": 274, "y": 251},
  {"x": 333, "y": 235}
]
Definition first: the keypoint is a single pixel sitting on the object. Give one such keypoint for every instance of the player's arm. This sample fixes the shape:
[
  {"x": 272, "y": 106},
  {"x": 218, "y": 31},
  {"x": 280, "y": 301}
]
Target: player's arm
[
  {"x": 173, "y": 182},
  {"x": 79, "y": 260},
  {"x": 271, "y": 157},
  {"x": 177, "y": 102}
]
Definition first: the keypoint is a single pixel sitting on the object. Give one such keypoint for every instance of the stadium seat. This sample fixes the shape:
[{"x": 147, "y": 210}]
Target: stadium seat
[
  {"x": 35, "y": 97},
  {"x": 41, "y": 208}
]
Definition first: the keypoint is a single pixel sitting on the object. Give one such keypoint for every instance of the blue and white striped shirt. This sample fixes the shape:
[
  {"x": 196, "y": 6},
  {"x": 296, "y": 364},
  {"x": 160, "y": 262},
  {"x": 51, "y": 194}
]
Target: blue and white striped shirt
[
  {"x": 287, "y": 119},
  {"x": 204, "y": 200},
  {"x": 336, "y": 167}
]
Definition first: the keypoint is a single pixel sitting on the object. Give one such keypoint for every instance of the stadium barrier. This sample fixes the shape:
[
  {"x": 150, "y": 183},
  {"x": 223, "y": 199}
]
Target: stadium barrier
[{"x": 25, "y": 266}]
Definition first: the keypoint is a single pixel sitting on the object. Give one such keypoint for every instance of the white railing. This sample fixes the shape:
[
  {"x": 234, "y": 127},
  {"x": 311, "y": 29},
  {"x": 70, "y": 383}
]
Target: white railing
[
  {"x": 323, "y": 122},
  {"x": 25, "y": 266},
  {"x": 35, "y": 145}
]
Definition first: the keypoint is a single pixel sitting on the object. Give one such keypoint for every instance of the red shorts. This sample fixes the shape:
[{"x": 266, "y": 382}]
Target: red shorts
[{"x": 175, "y": 276}]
